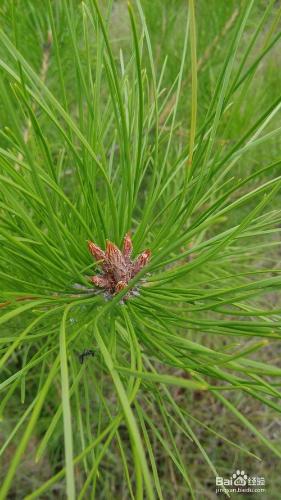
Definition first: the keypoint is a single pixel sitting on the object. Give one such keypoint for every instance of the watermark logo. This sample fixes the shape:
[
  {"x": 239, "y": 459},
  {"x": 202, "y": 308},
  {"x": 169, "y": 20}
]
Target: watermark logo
[
  {"x": 240, "y": 482},
  {"x": 239, "y": 478}
]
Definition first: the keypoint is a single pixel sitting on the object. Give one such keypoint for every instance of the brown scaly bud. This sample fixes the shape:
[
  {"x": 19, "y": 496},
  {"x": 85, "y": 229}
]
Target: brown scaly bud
[
  {"x": 120, "y": 286},
  {"x": 141, "y": 261},
  {"x": 114, "y": 255},
  {"x": 96, "y": 251},
  {"x": 117, "y": 266},
  {"x": 100, "y": 281},
  {"x": 127, "y": 247}
]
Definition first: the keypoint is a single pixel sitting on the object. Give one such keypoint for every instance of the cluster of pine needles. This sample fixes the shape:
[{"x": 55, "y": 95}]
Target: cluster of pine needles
[{"x": 102, "y": 135}]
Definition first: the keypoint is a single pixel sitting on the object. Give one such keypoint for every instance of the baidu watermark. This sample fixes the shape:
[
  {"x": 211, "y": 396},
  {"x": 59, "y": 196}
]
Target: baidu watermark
[{"x": 239, "y": 482}]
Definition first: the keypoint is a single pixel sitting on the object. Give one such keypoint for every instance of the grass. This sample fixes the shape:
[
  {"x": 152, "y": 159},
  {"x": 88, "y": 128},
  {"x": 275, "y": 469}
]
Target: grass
[{"x": 162, "y": 120}]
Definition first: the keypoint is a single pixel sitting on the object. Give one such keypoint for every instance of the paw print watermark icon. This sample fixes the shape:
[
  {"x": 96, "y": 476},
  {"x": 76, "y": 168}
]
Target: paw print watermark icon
[{"x": 239, "y": 478}]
